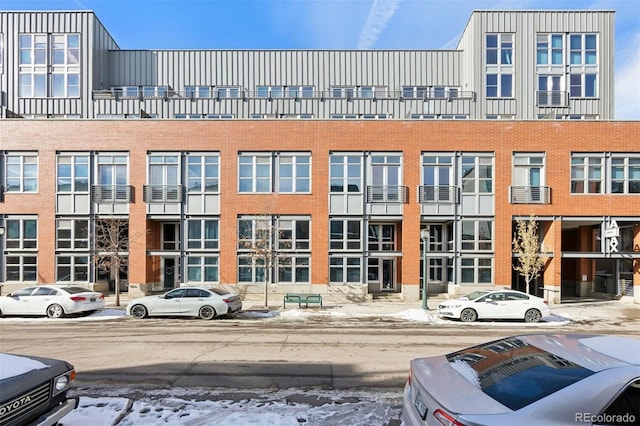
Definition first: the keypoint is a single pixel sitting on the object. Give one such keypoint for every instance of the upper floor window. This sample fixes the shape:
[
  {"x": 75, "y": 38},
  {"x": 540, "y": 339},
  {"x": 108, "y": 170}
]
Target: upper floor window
[
  {"x": 583, "y": 49},
  {"x": 583, "y": 85},
  {"x": 155, "y": 91},
  {"x": 437, "y": 177},
  {"x": 21, "y": 234},
  {"x": 477, "y": 174},
  {"x": 198, "y": 91},
  {"x": 345, "y": 234},
  {"x": 203, "y": 234},
  {"x": 73, "y": 173},
  {"x": 49, "y": 65},
  {"x": 587, "y": 174},
  {"x": 21, "y": 172},
  {"x": 294, "y": 92},
  {"x": 499, "y": 49},
  {"x": 625, "y": 174},
  {"x": 256, "y": 172},
  {"x": 228, "y": 92},
  {"x": 550, "y": 49},
  {"x": 414, "y": 92},
  {"x": 345, "y": 173},
  {"x": 72, "y": 234},
  {"x": 203, "y": 173},
  {"x": 499, "y": 85}
]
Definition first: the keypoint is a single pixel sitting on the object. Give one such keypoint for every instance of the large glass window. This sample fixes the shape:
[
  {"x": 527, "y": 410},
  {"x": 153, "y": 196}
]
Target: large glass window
[
  {"x": 72, "y": 268},
  {"x": 346, "y": 173},
  {"x": 49, "y": 65},
  {"x": 500, "y": 49},
  {"x": 21, "y": 172},
  {"x": 21, "y": 234},
  {"x": 587, "y": 174},
  {"x": 583, "y": 49},
  {"x": 201, "y": 269},
  {"x": 21, "y": 242},
  {"x": 382, "y": 237},
  {"x": 343, "y": 270},
  {"x": 113, "y": 177},
  {"x": 202, "y": 234},
  {"x": 550, "y": 49},
  {"x": 477, "y": 235},
  {"x": 499, "y": 85},
  {"x": 345, "y": 234},
  {"x": 476, "y": 270},
  {"x": 256, "y": 172},
  {"x": 386, "y": 178},
  {"x": 625, "y": 175},
  {"x": 437, "y": 176},
  {"x": 293, "y": 269},
  {"x": 73, "y": 173},
  {"x": 203, "y": 173},
  {"x": 164, "y": 177},
  {"x": 72, "y": 234},
  {"x": 477, "y": 174}
]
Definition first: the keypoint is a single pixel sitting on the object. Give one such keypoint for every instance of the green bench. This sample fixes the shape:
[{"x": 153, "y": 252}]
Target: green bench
[{"x": 302, "y": 298}]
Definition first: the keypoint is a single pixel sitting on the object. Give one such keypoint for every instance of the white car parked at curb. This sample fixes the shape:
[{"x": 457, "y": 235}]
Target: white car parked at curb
[
  {"x": 496, "y": 304},
  {"x": 54, "y": 301}
]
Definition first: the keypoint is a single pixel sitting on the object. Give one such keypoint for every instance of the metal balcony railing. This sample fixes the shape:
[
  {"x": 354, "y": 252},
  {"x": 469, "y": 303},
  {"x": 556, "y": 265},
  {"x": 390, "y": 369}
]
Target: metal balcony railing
[
  {"x": 438, "y": 194},
  {"x": 142, "y": 93},
  {"x": 552, "y": 98},
  {"x": 105, "y": 194},
  {"x": 386, "y": 194},
  {"x": 162, "y": 193},
  {"x": 530, "y": 194}
]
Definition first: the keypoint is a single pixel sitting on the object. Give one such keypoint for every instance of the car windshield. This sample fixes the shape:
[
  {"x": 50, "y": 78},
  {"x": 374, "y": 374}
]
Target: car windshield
[
  {"x": 515, "y": 373},
  {"x": 475, "y": 294},
  {"x": 76, "y": 290},
  {"x": 219, "y": 291}
]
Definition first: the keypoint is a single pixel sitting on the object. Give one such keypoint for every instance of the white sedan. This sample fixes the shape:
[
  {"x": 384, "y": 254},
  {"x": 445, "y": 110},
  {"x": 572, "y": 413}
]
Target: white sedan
[
  {"x": 54, "y": 301},
  {"x": 187, "y": 301},
  {"x": 497, "y": 304}
]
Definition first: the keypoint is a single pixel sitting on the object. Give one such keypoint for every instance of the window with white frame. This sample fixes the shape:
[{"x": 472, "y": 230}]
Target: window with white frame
[
  {"x": 343, "y": 270},
  {"x": 550, "y": 49},
  {"x": 499, "y": 85},
  {"x": 293, "y": 172},
  {"x": 164, "y": 177},
  {"x": 72, "y": 268},
  {"x": 72, "y": 234},
  {"x": 415, "y": 92},
  {"x": 347, "y": 92},
  {"x": 386, "y": 177},
  {"x": 381, "y": 237},
  {"x": 155, "y": 91},
  {"x": 203, "y": 173},
  {"x": 345, "y": 234},
  {"x": 294, "y": 269},
  {"x": 113, "y": 175},
  {"x": 529, "y": 173},
  {"x": 583, "y": 85},
  {"x": 228, "y": 92},
  {"x": 203, "y": 234},
  {"x": 203, "y": 269},
  {"x": 625, "y": 174},
  {"x": 21, "y": 243},
  {"x": 437, "y": 177},
  {"x": 499, "y": 49},
  {"x": 583, "y": 49},
  {"x": 292, "y": 92},
  {"x": 49, "y": 66},
  {"x": 477, "y": 235},
  {"x": 293, "y": 234},
  {"x": 476, "y": 270},
  {"x": 587, "y": 173},
  {"x": 346, "y": 172},
  {"x": 21, "y": 172},
  {"x": 73, "y": 173},
  {"x": 198, "y": 92},
  {"x": 477, "y": 173}
]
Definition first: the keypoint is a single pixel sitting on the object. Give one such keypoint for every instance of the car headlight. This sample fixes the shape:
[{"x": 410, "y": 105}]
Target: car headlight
[
  {"x": 451, "y": 306},
  {"x": 62, "y": 383}
]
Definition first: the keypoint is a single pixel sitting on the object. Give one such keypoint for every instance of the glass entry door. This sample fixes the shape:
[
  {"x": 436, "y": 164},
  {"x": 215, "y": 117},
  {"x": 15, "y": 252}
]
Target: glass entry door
[{"x": 381, "y": 274}]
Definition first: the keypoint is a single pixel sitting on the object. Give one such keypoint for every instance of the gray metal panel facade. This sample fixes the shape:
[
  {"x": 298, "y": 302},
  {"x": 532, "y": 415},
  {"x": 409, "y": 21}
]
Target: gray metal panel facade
[{"x": 105, "y": 67}]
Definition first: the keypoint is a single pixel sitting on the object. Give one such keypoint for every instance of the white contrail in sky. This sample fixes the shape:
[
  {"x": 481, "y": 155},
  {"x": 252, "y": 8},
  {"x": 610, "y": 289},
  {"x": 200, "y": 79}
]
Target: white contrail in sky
[{"x": 380, "y": 14}]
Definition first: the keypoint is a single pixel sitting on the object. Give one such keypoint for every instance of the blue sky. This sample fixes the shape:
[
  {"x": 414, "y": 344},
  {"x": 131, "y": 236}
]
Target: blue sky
[{"x": 333, "y": 24}]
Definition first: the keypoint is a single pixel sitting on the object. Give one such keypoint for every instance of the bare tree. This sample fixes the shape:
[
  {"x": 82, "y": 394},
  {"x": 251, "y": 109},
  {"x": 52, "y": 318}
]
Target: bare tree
[
  {"x": 112, "y": 243},
  {"x": 526, "y": 245},
  {"x": 261, "y": 246}
]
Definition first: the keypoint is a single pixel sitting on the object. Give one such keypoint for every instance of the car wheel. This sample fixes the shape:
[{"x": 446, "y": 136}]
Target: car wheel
[
  {"x": 138, "y": 311},
  {"x": 207, "y": 312},
  {"x": 55, "y": 311},
  {"x": 532, "y": 315},
  {"x": 468, "y": 315}
]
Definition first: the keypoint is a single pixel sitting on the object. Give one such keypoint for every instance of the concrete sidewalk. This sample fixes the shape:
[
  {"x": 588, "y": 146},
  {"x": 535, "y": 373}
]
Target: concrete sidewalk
[{"x": 609, "y": 309}]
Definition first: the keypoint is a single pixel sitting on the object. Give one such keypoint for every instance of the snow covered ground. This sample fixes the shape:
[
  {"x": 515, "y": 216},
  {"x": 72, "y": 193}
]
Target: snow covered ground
[{"x": 131, "y": 407}]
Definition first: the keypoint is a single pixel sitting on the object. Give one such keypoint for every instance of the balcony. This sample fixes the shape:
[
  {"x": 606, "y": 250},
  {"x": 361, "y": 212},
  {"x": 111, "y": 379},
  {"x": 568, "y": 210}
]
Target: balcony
[
  {"x": 162, "y": 193},
  {"x": 552, "y": 98},
  {"x": 386, "y": 194},
  {"x": 530, "y": 194},
  {"x": 107, "y": 194},
  {"x": 438, "y": 194}
]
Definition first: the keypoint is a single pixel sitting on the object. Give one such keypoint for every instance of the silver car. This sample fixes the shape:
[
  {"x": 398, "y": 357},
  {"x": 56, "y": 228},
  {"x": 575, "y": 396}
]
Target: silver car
[
  {"x": 187, "y": 301},
  {"x": 540, "y": 379}
]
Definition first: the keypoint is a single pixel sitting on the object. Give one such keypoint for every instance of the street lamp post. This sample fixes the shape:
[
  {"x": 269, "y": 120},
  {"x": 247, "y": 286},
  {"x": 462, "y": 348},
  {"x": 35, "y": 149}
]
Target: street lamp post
[{"x": 424, "y": 235}]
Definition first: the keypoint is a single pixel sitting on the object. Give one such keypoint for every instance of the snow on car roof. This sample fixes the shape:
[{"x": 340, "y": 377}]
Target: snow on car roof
[{"x": 15, "y": 365}]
